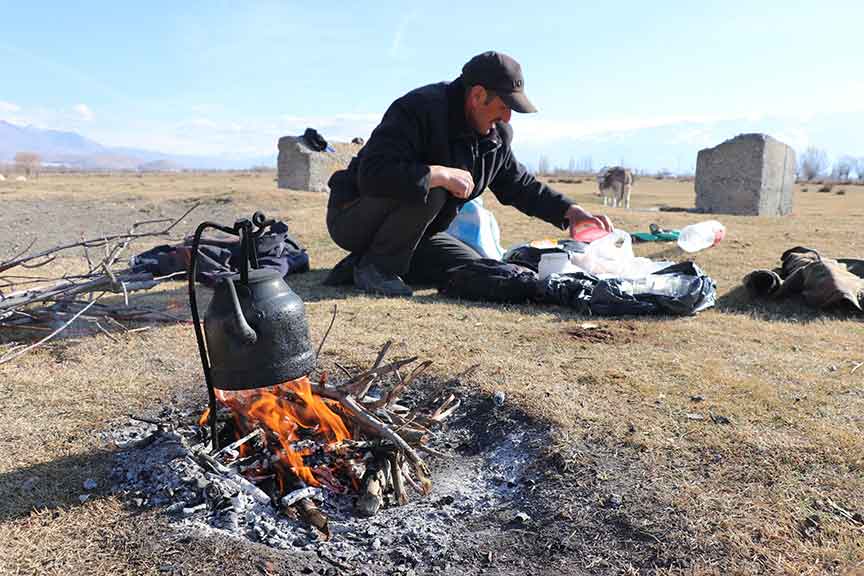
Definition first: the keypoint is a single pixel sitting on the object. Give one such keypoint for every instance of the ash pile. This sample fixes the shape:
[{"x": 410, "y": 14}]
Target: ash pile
[{"x": 358, "y": 501}]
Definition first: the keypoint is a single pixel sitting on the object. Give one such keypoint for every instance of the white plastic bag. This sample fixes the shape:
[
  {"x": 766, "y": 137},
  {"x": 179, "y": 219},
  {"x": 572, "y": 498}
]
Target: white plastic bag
[
  {"x": 477, "y": 227},
  {"x": 612, "y": 257}
]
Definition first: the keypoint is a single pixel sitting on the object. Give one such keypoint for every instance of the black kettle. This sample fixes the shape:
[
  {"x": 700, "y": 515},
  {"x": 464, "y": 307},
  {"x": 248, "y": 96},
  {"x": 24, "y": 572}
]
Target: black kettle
[{"x": 255, "y": 326}]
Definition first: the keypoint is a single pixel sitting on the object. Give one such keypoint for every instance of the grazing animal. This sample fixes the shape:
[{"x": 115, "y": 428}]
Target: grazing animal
[{"x": 615, "y": 185}]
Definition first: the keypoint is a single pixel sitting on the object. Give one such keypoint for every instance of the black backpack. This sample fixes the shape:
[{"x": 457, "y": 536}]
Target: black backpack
[{"x": 314, "y": 140}]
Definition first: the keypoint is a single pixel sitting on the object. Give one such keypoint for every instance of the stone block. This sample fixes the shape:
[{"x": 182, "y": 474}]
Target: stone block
[
  {"x": 751, "y": 174},
  {"x": 302, "y": 168}
]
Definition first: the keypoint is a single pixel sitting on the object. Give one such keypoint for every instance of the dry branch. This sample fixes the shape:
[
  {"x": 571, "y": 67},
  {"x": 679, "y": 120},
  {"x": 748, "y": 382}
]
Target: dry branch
[
  {"x": 12, "y": 355},
  {"x": 27, "y": 298},
  {"x": 95, "y": 242}
]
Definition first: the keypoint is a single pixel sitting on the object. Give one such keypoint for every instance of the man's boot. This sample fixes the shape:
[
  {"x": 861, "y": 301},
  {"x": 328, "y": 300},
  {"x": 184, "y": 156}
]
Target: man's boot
[
  {"x": 343, "y": 273},
  {"x": 369, "y": 278}
]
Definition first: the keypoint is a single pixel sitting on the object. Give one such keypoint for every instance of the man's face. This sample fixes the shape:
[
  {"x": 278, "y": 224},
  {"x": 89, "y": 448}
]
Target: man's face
[{"x": 482, "y": 115}]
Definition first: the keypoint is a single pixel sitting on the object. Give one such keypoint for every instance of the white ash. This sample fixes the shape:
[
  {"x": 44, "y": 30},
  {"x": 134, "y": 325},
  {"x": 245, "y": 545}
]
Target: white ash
[{"x": 156, "y": 470}]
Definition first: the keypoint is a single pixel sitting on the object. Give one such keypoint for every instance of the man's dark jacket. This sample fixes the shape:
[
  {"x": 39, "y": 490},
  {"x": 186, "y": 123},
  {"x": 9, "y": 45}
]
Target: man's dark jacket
[{"x": 426, "y": 127}]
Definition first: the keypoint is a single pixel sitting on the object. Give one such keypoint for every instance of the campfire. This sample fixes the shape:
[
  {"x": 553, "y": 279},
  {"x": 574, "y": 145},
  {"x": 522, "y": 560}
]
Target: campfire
[{"x": 290, "y": 445}]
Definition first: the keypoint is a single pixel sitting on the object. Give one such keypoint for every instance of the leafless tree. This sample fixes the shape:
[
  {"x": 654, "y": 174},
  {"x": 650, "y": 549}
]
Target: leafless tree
[
  {"x": 543, "y": 166},
  {"x": 843, "y": 167},
  {"x": 859, "y": 169},
  {"x": 28, "y": 162},
  {"x": 812, "y": 163}
]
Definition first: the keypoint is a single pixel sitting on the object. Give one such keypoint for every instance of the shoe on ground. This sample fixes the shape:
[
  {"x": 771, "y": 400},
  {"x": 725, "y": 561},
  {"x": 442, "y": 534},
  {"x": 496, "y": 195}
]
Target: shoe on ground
[
  {"x": 374, "y": 281},
  {"x": 343, "y": 273}
]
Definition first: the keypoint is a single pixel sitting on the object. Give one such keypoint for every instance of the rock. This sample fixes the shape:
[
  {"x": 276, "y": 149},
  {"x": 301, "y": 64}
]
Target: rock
[
  {"x": 751, "y": 174},
  {"x": 697, "y": 398},
  {"x": 499, "y": 398},
  {"x": 614, "y": 501},
  {"x": 193, "y": 509},
  {"x": 445, "y": 500},
  {"x": 521, "y": 518},
  {"x": 720, "y": 419},
  {"x": 90, "y": 484},
  {"x": 302, "y": 168}
]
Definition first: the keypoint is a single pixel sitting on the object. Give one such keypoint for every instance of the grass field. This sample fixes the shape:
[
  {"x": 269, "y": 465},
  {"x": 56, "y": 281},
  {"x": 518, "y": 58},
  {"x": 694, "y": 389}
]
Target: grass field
[{"x": 758, "y": 495}]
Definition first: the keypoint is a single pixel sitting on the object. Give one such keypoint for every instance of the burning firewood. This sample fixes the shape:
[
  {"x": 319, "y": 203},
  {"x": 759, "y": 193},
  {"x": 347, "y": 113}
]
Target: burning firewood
[{"x": 299, "y": 438}]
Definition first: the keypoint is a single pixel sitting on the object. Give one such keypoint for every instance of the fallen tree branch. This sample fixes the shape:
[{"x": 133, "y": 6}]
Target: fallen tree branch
[
  {"x": 96, "y": 242},
  {"x": 12, "y": 356}
]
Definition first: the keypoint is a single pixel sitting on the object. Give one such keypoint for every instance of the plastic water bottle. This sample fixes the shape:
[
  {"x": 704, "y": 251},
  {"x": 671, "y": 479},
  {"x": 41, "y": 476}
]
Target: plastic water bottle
[{"x": 702, "y": 235}]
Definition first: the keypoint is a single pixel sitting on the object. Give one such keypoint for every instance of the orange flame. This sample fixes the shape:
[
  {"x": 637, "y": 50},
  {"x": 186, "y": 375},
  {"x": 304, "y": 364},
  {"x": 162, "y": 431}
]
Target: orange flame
[
  {"x": 202, "y": 421},
  {"x": 282, "y": 410}
]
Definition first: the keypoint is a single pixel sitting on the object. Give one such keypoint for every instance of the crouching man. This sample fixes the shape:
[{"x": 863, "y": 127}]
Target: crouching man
[{"x": 436, "y": 148}]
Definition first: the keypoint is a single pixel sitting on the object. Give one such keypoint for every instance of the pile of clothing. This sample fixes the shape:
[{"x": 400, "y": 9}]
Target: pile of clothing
[
  {"x": 824, "y": 283},
  {"x": 218, "y": 258}
]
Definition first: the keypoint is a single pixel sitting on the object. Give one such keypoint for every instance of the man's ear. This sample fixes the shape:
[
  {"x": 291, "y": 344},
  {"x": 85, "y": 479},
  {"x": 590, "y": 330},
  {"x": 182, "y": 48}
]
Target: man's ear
[{"x": 477, "y": 95}]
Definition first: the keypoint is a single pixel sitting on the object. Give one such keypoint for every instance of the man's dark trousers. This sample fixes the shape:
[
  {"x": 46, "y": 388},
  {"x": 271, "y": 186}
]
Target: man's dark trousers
[{"x": 391, "y": 235}]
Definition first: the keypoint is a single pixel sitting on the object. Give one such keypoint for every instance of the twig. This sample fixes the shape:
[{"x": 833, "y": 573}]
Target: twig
[
  {"x": 360, "y": 384},
  {"x": 396, "y": 476},
  {"x": 24, "y": 251},
  {"x": 87, "y": 255},
  {"x": 237, "y": 443},
  {"x": 857, "y": 365},
  {"x": 146, "y": 420},
  {"x": 116, "y": 323},
  {"x": 343, "y": 369},
  {"x": 9, "y": 357},
  {"x": 95, "y": 242},
  {"x": 382, "y": 429},
  {"x": 327, "y": 333},
  {"x": 104, "y": 331}
]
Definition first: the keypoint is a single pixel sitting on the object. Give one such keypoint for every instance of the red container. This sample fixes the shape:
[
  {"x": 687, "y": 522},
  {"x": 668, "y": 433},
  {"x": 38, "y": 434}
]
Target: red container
[{"x": 587, "y": 231}]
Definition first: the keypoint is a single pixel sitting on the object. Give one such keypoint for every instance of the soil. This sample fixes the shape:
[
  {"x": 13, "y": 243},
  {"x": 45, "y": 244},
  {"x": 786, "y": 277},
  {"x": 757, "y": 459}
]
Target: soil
[
  {"x": 50, "y": 222},
  {"x": 726, "y": 443},
  {"x": 507, "y": 498}
]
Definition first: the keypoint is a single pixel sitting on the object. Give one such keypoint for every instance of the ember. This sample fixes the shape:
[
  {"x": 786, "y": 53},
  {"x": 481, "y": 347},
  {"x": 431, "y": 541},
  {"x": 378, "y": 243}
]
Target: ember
[{"x": 287, "y": 412}]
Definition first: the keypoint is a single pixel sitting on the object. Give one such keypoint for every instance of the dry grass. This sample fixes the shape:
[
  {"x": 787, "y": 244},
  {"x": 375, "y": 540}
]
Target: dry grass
[{"x": 779, "y": 373}]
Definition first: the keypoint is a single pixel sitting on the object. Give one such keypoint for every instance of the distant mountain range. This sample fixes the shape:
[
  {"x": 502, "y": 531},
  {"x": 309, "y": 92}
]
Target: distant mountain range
[{"x": 72, "y": 150}]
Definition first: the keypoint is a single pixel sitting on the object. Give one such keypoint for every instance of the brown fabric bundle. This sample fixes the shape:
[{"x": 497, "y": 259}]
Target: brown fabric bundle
[{"x": 823, "y": 282}]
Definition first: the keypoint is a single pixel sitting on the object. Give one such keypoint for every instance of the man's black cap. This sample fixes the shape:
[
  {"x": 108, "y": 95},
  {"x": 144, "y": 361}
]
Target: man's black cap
[{"x": 501, "y": 73}]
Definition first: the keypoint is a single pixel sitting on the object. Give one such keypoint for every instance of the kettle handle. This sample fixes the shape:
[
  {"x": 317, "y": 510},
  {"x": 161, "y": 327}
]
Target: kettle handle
[{"x": 240, "y": 327}]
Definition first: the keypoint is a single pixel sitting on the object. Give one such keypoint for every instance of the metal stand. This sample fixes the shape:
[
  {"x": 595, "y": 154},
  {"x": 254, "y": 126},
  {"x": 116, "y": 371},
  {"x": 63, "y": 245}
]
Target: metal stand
[{"x": 248, "y": 237}]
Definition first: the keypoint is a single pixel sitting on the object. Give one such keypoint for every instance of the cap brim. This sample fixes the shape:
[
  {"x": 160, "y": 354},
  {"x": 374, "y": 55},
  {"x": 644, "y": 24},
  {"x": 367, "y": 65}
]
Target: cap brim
[{"x": 518, "y": 102}]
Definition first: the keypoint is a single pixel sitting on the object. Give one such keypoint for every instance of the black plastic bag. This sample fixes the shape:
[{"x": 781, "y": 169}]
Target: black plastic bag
[{"x": 490, "y": 281}]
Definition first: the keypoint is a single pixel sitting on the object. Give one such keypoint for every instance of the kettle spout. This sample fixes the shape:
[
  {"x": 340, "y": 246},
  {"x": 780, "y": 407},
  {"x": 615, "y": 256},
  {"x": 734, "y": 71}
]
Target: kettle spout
[{"x": 240, "y": 327}]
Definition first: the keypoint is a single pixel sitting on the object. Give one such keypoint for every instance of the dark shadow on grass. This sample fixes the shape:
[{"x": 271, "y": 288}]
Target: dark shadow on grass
[
  {"x": 55, "y": 484},
  {"x": 792, "y": 309}
]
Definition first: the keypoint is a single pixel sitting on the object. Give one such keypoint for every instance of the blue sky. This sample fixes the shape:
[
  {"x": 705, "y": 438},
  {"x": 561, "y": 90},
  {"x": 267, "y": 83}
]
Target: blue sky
[{"x": 645, "y": 82}]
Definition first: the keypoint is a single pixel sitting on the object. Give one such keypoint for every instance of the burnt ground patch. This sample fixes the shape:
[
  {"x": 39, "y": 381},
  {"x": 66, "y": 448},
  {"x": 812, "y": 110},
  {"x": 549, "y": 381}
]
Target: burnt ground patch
[{"x": 510, "y": 495}]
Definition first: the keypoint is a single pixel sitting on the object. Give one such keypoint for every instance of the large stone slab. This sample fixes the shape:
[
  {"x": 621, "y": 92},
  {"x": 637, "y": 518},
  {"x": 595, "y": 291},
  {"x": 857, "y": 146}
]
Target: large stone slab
[
  {"x": 302, "y": 168},
  {"x": 751, "y": 174}
]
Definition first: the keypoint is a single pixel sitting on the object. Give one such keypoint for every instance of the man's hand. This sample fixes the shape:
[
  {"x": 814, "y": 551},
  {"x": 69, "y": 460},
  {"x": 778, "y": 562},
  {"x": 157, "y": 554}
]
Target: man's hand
[
  {"x": 576, "y": 215},
  {"x": 458, "y": 182}
]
